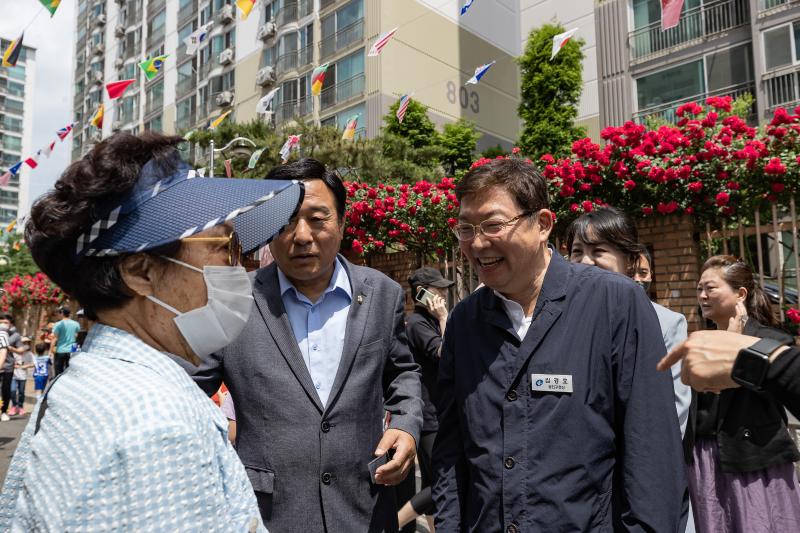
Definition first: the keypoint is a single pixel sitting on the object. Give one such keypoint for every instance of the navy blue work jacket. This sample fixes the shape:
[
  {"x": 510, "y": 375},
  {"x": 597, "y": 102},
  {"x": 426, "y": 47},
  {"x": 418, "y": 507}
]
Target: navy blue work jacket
[{"x": 606, "y": 457}]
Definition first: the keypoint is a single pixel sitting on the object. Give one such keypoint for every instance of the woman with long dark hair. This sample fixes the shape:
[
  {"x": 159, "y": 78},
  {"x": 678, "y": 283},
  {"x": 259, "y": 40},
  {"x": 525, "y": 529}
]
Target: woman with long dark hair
[{"x": 741, "y": 476}]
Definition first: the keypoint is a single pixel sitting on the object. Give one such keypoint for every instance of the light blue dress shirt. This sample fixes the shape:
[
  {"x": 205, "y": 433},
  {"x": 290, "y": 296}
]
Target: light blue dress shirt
[
  {"x": 319, "y": 327},
  {"x": 128, "y": 443}
]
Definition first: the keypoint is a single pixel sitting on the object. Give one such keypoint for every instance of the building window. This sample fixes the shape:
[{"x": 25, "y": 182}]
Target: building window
[
  {"x": 647, "y": 12},
  {"x": 12, "y": 124},
  {"x": 782, "y": 45},
  {"x": 729, "y": 68},
  {"x": 343, "y": 117},
  {"x": 154, "y": 97},
  {"x": 12, "y": 143},
  {"x": 225, "y": 82},
  {"x": 155, "y": 124},
  {"x": 14, "y": 106},
  {"x": 342, "y": 28},
  {"x": 206, "y": 15},
  {"x": 184, "y": 114},
  {"x": 9, "y": 197},
  {"x": 728, "y": 71},
  {"x": 675, "y": 83},
  {"x": 17, "y": 72},
  {"x": 271, "y": 11},
  {"x": 16, "y": 89},
  {"x": 185, "y": 78},
  {"x": 183, "y": 34},
  {"x": 344, "y": 80},
  {"x": 221, "y": 42},
  {"x": 155, "y": 26},
  {"x": 268, "y": 56}
]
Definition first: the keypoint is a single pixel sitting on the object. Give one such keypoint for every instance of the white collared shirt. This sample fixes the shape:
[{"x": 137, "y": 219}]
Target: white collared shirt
[{"x": 516, "y": 314}]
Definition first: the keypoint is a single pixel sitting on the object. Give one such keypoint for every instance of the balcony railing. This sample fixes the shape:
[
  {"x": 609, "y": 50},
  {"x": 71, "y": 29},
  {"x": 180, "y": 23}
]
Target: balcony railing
[
  {"x": 133, "y": 51},
  {"x": 305, "y": 55},
  {"x": 156, "y": 38},
  {"x": 306, "y": 8},
  {"x": 782, "y": 88},
  {"x": 185, "y": 122},
  {"x": 285, "y": 111},
  {"x": 205, "y": 68},
  {"x": 286, "y": 62},
  {"x": 326, "y": 3},
  {"x": 695, "y": 24},
  {"x": 154, "y": 6},
  {"x": 305, "y": 106},
  {"x": 667, "y": 111},
  {"x": 766, "y": 5},
  {"x": 293, "y": 109},
  {"x": 343, "y": 38},
  {"x": 185, "y": 86},
  {"x": 187, "y": 13},
  {"x": 154, "y": 106},
  {"x": 342, "y": 91},
  {"x": 287, "y": 14}
]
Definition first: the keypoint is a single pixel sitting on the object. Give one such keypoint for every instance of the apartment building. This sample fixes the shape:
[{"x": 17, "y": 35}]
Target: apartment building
[
  {"x": 16, "y": 125},
  {"x": 719, "y": 47},
  {"x": 279, "y": 44}
]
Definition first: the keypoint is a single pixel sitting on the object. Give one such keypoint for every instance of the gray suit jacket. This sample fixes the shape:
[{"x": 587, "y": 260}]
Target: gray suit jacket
[
  {"x": 308, "y": 464},
  {"x": 674, "y": 331}
]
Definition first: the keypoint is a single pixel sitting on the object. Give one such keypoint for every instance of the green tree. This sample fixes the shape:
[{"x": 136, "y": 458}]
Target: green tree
[
  {"x": 494, "y": 151},
  {"x": 385, "y": 157},
  {"x": 458, "y": 142},
  {"x": 16, "y": 258},
  {"x": 416, "y": 127},
  {"x": 549, "y": 93}
]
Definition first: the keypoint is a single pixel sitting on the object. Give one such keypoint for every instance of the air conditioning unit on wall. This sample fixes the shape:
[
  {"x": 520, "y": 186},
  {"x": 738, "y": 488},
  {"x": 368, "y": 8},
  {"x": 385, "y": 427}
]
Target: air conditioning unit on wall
[
  {"x": 265, "y": 76},
  {"x": 266, "y": 30},
  {"x": 226, "y": 14},
  {"x": 226, "y": 56},
  {"x": 224, "y": 99}
]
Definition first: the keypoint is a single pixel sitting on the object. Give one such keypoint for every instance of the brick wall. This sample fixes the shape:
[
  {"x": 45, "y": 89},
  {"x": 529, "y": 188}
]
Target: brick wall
[
  {"x": 397, "y": 266},
  {"x": 675, "y": 251}
]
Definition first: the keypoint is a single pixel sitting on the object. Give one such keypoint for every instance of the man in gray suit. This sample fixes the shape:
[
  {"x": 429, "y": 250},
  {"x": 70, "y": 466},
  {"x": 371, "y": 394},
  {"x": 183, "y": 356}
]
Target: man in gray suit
[{"x": 314, "y": 372}]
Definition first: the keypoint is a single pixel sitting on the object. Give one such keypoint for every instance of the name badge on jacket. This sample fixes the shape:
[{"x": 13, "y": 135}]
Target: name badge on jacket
[{"x": 551, "y": 382}]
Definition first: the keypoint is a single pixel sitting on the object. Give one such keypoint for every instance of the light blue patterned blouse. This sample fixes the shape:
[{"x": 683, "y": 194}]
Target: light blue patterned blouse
[{"x": 128, "y": 443}]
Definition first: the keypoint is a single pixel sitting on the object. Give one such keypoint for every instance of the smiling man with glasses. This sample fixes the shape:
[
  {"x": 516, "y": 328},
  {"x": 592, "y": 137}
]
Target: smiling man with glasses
[{"x": 552, "y": 415}]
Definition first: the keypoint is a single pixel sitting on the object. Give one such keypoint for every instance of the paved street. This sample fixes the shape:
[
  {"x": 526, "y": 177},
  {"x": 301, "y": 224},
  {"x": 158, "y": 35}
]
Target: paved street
[{"x": 11, "y": 430}]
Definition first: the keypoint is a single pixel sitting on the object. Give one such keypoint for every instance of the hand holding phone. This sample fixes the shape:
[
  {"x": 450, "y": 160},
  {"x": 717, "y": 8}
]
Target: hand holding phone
[
  {"x": 375, "y": 463},
  {"x": 424, "y": 295}
]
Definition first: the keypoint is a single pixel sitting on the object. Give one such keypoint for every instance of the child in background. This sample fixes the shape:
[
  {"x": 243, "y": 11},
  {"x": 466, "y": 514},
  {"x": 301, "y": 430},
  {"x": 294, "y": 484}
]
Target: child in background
[
  {"x": 22, "y": 362},
  {"x": 41, "y": 368}
]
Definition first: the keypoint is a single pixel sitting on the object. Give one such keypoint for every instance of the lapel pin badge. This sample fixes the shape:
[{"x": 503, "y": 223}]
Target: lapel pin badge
[{"x": 360, "y": 299}]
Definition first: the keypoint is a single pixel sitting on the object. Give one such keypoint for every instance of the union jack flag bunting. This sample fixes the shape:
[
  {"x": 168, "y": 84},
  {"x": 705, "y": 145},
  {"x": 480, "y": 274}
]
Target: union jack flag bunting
[{"x": 63, "y": 132}]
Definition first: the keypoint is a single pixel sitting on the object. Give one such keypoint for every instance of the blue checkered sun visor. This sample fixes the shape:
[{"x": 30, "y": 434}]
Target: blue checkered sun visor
[{"x": 183, "y": 205}]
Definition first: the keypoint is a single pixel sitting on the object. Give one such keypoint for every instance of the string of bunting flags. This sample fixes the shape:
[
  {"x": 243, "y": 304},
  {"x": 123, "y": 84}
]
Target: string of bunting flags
[{"x": 151, "y": 67}]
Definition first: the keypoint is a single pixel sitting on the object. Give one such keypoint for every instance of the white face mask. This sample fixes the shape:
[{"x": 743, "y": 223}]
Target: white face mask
[{"x": 210, "y": 328}]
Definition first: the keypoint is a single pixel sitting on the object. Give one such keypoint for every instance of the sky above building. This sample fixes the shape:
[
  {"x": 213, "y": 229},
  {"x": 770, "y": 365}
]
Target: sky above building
[{"x": 55, "y": 50}]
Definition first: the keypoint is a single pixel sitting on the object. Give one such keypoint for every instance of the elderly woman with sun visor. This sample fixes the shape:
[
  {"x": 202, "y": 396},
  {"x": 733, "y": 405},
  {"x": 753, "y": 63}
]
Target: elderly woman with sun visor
[{"x": 124, "y": 439}]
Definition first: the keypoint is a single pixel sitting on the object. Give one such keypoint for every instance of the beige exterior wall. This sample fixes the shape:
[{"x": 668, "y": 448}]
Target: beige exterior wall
[
  {"x": 246, "y": 90},
  {"x": 439, "y": 56}
]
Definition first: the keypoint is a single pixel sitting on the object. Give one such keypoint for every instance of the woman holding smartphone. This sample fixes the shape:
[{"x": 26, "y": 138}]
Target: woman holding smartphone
[{"x": 424, "y": 329}]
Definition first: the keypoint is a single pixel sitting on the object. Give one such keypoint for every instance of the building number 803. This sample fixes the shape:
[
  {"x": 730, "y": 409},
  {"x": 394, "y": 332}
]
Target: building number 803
[{"x": 466, "y": 98}]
